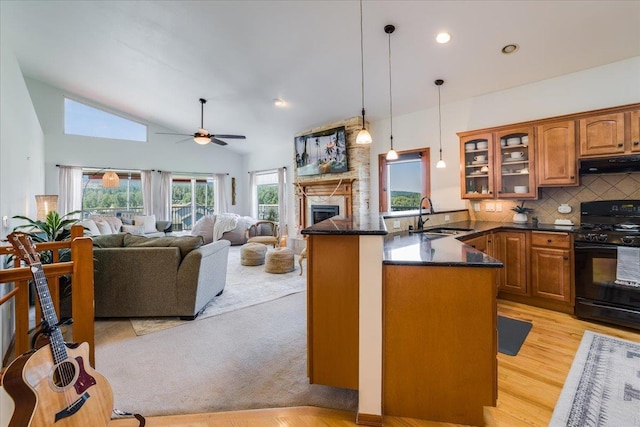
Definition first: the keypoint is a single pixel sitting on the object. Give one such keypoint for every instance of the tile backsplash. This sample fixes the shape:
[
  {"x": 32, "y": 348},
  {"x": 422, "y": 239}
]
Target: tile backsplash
[{"x": 592, "y": 187}]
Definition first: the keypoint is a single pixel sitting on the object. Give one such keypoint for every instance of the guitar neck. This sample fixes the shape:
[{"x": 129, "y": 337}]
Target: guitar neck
[{"x": 58, "y": 348}]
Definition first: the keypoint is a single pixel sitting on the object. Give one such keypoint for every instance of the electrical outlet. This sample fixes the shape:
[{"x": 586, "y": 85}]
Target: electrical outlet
[
  {"x": 498, "y": 207},
  {"x": 489, "y": 207},
  {"x": 396, "y": 224},
  {"x": 447, "y": 217},
  {"x": 476, "y": 207}
]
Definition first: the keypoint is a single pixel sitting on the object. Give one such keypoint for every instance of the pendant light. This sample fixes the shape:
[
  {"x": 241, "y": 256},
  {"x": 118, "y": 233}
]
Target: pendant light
[
  {"x": 110, "y": 180},
  {"x": 441, "y": 164},
  {"x": 391, "y": 155},
  {"x": 364, "y": 137}
]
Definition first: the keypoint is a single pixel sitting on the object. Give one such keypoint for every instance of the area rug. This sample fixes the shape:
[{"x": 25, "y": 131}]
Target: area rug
[
  {"x": 511, "y": 335},
  {"x": 603, "y": 385},
  {"x": 246, "y": 286}
]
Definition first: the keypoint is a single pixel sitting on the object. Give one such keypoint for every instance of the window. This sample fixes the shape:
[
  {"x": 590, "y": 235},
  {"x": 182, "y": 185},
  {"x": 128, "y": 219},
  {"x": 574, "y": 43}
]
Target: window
[
  {"x": 404, "y": 181},
  {"x": 81, "y": 119},
  {"x": 267, "y": 190},
  {"x": 99, "y": 200},
  {"x": 191, "y": 199}
]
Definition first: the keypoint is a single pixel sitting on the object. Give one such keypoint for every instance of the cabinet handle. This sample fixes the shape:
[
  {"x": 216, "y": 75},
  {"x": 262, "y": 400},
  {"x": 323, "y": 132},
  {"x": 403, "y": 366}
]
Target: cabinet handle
[
  {"x": 572, "y": 177},
  {"x": 620, "y": 144},
  {"x": 636, "y": 142},
  {"x": 566, "y": 258},
  {"x": 549, "y": 240}
]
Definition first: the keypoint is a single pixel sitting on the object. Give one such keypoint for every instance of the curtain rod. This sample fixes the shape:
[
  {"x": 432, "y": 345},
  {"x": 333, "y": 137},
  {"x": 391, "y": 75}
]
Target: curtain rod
[
  {"x": 267, "y": 170},
  {"x": 135, "y": 170}
]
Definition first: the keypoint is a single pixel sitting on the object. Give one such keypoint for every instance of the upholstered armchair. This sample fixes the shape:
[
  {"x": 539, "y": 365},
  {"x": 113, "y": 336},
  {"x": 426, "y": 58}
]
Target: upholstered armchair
[{"x": 265, "y": 232}]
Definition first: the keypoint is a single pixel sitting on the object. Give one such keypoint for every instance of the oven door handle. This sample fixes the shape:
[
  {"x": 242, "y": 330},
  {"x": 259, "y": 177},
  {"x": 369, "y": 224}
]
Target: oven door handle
[
  {"x": 616, "y": 308},
  {"x": 587, "y": 246}
]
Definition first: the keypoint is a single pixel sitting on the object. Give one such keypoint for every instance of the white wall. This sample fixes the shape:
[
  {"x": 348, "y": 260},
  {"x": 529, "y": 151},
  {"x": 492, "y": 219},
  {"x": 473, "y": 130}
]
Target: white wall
[
  {"x": 160, "y": 152},
  {"x": 606, "y": 86},
  {"x": 21, "y": 170}
]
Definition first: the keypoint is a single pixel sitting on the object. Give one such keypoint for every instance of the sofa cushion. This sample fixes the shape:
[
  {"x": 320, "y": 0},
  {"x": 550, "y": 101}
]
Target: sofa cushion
[
  {"x": 133, "y": 229},
  {"x": 185, "y": 243},
  {"x": 204, "y": 228},
  {"x": 108, "y": 241},
  {"x": 114, "y": 222},
  {"x": 147, "y": 221},
  {"x": 91, "y": 226}
]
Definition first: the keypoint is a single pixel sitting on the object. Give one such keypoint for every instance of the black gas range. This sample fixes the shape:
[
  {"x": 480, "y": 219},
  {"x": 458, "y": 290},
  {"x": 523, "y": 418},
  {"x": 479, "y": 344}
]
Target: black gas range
[{"x": 606, "y": 226}]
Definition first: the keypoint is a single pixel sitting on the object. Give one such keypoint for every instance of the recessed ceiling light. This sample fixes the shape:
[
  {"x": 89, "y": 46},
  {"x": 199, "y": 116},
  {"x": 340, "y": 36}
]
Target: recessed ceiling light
[
  {"x": 443, "y": 37},
  {"x": 510, "y": 48},
  {"x": 279, "y": 102}
]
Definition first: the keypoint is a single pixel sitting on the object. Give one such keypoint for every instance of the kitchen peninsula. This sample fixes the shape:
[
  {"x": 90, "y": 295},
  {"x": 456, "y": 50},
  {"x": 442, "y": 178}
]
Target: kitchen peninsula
[{"x": 409, "y": 320}]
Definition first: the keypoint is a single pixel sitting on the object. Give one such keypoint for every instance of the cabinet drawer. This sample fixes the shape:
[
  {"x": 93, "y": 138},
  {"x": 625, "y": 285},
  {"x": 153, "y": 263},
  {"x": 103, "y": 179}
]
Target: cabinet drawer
[{"x": 550, "y": 240}]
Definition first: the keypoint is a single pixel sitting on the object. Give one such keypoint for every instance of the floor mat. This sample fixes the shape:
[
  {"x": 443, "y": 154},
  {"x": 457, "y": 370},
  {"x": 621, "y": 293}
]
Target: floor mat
[{"x": 511, "y": 334}]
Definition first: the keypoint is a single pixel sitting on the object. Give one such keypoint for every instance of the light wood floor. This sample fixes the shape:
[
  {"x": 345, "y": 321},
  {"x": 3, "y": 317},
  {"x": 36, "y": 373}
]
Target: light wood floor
[{"x": 528, "y": 384}]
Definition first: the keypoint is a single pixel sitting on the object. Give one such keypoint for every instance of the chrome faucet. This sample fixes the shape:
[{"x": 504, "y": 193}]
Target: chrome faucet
[{"x": 421, "y": 221}]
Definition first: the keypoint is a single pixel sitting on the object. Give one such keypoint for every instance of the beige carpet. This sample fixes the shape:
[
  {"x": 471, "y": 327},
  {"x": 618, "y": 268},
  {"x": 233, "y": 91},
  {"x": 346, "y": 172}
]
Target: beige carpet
[{"x": 246, "y": 286}]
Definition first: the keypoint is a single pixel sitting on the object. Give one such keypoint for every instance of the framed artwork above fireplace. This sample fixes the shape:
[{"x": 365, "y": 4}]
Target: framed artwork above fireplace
[{"x": 322, "y": 152}]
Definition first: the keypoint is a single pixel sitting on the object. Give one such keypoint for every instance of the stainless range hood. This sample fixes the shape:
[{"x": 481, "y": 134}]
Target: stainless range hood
[{"x": 610, "y": 165}]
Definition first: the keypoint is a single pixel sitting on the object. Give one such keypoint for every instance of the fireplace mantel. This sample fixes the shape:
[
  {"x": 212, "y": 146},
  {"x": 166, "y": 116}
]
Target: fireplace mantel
[{"x": 325, "y": 188}]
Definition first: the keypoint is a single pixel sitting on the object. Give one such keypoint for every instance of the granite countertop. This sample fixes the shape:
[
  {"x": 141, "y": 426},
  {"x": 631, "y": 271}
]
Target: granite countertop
[
  {"x": 406, "y": 248},
  {"x": 349, "y": 225}
]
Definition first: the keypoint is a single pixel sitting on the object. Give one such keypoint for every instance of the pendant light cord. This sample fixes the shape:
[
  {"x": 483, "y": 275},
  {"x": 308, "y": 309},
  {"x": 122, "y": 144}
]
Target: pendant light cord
[
  {"x": 440, "y": 121},
  {"x": 390, "y": 98},
  {"x": 362, "y": 61}
]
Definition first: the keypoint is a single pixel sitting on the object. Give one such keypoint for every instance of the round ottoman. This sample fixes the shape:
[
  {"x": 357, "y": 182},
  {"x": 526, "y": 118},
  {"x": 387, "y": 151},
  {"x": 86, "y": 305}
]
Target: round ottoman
[
  {"x": 279, "y": 260},
  {"x": 252, "y": 254}
]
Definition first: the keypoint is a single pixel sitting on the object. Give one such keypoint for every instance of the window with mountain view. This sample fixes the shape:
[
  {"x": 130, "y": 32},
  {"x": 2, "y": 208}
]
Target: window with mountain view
[
  {"x": 191, "y": 199},
  {"x": 267, "y": 190},
  {"x": 99, "y": 200},
  {"x": 404, "y": 181}
]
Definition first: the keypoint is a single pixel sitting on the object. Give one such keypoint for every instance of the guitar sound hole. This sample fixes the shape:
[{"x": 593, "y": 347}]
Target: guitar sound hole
[{"x": 64, "y": 374}]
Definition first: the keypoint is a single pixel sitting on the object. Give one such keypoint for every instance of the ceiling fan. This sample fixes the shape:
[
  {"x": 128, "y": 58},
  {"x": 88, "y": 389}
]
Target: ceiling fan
[{"x": 202, "y": 136}]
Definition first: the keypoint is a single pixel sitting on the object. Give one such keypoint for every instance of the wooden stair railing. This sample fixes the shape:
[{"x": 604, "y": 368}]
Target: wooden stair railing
[{"x": 80, "y": 268}]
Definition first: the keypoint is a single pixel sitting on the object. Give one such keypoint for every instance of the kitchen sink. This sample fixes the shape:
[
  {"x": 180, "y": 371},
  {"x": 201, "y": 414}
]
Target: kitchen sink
[{"x": 442, "y": 231}]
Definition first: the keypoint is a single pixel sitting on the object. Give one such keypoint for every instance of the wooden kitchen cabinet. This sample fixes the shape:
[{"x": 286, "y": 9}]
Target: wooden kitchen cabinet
[
  {"x": 477, "y": 177},
  {"x": 515, "y": 164},
  {"x": 602, "y": 135},
  {"x": 511, "y": 248},
  {"x": 479, "y": 243},
  {"x": 551, "y": 266},
  {"x": 333, "y": 310},
  {"x": 634, "y": 130},
  {"x": 556, "y": 154}
]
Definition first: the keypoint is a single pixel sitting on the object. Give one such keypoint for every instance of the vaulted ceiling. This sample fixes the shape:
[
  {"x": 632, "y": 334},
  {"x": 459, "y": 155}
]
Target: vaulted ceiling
[{"x": 154, "y": 59}]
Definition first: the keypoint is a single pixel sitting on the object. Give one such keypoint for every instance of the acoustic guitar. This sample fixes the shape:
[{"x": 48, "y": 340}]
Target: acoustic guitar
[{"x": 54, "y": 385}]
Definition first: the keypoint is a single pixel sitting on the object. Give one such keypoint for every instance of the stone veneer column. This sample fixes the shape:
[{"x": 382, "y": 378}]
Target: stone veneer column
[{"x": 359, "y": 164}]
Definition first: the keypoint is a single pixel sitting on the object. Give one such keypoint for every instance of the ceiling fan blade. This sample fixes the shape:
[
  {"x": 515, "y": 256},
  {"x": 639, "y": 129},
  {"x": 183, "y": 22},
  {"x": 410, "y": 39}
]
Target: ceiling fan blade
[
  {"x": 229, "y": 136},
  {"x": 217, "y": 141},
  {"x": 167, "y": 133},
  {"x": 184, "y": 140}
]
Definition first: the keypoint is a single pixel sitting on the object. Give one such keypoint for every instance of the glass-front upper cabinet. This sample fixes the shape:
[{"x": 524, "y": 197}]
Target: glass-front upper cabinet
[
  {"x": 515, "y": 164},
  {"x": 477, "y": 166}
]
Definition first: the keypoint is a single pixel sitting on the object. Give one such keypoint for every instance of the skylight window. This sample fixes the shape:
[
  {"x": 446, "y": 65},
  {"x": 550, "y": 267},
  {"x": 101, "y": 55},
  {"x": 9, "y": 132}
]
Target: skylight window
[{"x": 81, "y": 119}]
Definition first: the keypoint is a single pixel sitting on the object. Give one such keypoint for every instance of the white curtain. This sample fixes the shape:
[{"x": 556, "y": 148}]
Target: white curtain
[
  {"x": 163, "y": 207},
  {"x": 147, "y": 192},
  {"x": 69, "y": 189},
  {"x": 253, "y": 192},
  {"x": 220, "y": 203},
  {"x": 282, "y": 200}
]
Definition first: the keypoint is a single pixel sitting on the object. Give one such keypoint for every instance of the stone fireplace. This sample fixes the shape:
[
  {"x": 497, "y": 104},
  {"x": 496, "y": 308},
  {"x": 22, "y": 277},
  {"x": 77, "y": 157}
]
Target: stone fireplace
[{"x": 350, "y": 191}]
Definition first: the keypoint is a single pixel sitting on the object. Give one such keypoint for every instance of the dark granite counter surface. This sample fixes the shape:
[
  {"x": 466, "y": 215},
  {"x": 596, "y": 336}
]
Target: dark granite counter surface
[
  {"x": 349, "y": 225},
  {"x": 405, "y": 248}
]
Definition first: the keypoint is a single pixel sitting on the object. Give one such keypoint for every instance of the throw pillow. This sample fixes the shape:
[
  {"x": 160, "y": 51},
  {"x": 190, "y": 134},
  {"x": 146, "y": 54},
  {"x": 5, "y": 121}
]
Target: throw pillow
[
  {"x": 127, "y": 221},
  {"x": 104, "y": 227},
  {"x": 204, "y": 228},
  {"x": 148, "y": 222},
  {"x": 133, "y": 229},
  {"x": 90, "y": 226}
]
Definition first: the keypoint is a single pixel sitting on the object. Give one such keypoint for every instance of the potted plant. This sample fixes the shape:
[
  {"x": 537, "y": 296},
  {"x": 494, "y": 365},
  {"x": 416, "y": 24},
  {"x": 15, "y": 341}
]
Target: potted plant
[
  {"x": 520, "y": 216},
  {"x": 534, "y": 221}
]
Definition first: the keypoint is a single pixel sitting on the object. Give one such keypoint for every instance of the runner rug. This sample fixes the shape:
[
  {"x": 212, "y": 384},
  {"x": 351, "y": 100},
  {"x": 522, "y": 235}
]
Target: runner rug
[{"x": 603, "y": 385}]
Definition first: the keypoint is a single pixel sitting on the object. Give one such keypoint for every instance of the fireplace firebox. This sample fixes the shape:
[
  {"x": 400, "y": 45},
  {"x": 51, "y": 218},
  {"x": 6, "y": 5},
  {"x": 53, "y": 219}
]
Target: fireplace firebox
[{"x": 322, "y": 212}]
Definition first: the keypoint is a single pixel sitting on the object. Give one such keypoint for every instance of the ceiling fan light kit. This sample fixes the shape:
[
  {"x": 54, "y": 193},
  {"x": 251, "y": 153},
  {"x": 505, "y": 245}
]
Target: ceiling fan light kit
[{"x": 202, "y": 136}]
